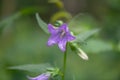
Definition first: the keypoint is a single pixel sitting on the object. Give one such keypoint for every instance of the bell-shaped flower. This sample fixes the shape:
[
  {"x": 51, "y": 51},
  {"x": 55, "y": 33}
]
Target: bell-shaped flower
[
  {"x": 59, "y": 35},
  {"x": 44, "y": 76}
]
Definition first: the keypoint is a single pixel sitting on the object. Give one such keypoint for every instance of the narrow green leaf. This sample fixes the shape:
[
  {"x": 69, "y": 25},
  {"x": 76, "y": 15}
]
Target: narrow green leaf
[
  {"x": 82, "y": 22},
  {"x": 74, "y": 78},
  {"x": 37, "y": 68},
  {"x": 60, "y": 15},
  {"x": 119, "y": 46},
  {"x": 59, "y": 3},
  {"x": 53, "y": 1},
  {"x": 85, "y": 35},
  {"x": 97, "y": 46},
  {"x": 10, "y": 19},
  {"x": 27, "y": 11},
  {"x": 41, "y": 23}
]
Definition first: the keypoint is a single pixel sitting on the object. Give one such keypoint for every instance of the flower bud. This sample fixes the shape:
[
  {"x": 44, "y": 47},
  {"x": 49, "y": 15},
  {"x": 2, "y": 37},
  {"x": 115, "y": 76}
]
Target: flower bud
[{"x": 82, "y": 54}]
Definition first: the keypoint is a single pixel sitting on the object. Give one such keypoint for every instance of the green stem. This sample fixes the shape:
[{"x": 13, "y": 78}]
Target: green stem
[{"x": 64, "y": 63}]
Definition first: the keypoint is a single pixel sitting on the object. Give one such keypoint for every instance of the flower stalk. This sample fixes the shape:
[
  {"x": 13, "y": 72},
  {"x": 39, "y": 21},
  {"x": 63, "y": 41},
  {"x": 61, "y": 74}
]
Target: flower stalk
[{"x": 64, "y": 63}]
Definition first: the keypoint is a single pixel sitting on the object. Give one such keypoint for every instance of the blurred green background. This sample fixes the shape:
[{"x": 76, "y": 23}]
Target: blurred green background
[{"x": 23, "y": 42}]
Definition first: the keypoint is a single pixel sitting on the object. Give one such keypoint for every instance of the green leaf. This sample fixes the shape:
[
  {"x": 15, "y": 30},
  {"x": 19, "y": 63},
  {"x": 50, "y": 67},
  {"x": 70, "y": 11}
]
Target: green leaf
[
  {"x": 60, "y": 15},
  {"x": 74, "y": 78},
  {"x": 97, "y": 46},
  {"x": 119, "y": 46},
  {"x": 59, "y": 3},
  {"x": 24, "y": 12},
  {"x": 82, "y": 22},
  {"x": 53, "y": 1},
  {"x": 54, "y": 71},
  {"x": 36, "y": 68},
  {"x": 85, "y": 35},
  {"x": 10, "y": 19},
  {"x": 41, "y": 23}
]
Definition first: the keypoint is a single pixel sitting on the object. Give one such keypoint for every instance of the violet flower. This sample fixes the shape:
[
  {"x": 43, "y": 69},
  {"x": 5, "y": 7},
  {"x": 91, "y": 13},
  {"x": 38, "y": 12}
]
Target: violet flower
[
  {"x": 44, "y": 76},
  {"x": 59, "y": 35}
]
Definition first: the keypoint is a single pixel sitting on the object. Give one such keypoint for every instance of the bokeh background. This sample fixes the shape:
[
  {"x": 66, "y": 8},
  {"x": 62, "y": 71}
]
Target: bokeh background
[{"x": 22, "y": 41}]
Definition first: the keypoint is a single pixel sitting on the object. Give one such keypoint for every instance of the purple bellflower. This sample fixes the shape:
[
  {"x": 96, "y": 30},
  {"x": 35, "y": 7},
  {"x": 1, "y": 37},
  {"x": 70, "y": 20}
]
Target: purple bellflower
[
  {"x": 44, "y": 76},
  {"x": 59, "y": 35}
]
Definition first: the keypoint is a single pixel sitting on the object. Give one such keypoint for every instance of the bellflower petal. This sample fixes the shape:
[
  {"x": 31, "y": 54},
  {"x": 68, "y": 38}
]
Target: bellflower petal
[
  {"x": 62, "y": 44},
  {"x": 51, "y": 29},
  {"x": 60, "y": 36},
  {"x": 44, "y": 76},
  {"x": 53, "y": 40},
  {"x": 70, "y": 37},
  {"x": 64, "y": 27}
]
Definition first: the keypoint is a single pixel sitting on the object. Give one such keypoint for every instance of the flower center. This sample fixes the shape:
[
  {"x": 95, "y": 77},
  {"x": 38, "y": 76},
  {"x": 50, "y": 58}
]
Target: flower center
[{"x": 62, "y": 34}]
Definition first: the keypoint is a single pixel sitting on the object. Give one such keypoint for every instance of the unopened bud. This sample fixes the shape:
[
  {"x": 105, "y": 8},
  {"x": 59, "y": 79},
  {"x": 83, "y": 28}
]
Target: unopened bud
[
  {"x": 82, "y": 54},
  {"x": 58, "y": 23}
]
